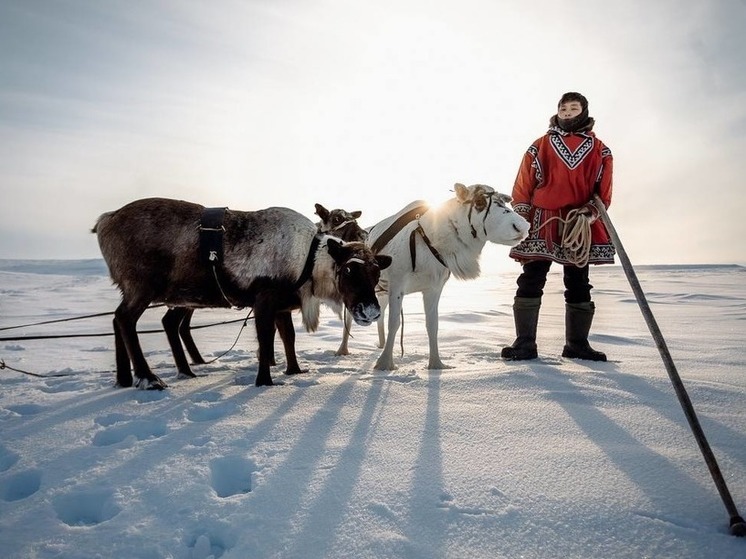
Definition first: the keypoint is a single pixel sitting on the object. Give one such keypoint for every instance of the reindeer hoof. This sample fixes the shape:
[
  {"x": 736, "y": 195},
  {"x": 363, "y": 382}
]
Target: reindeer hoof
[
  {"x": 150, "y": 384},
  {"x": 264, "y": 381},
  {"x": 384, "y": 365},
  {"x": 296, "y": 371},
  {"x": 439, "y": 365}
]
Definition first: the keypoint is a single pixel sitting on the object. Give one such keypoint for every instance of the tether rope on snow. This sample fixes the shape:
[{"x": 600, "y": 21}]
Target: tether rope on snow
[
  {"x": 68, "y": 319},
  {"x": 4, "y": 365}
]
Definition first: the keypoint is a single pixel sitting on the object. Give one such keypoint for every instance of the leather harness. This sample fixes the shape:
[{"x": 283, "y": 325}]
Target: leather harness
[
  {"x": 398, "y": 225},
  {"x": 211, "y": 231}
]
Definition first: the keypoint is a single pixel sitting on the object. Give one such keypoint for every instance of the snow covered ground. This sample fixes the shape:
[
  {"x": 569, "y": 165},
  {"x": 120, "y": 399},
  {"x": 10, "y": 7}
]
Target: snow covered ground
[{"x": 552, "y": 458}]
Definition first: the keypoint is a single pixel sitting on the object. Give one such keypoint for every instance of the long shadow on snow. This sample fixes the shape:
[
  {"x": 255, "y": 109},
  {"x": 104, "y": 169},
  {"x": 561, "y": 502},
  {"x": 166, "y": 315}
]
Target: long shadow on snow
[
  {"x": 427, "y": 484},
  {"x": 324, "y": 516},
  {"x": 721, "y": 437},
  {"x": 643, "y": 466}
]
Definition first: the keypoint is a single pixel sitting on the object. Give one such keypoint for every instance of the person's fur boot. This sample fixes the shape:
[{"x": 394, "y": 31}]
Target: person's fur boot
[
  {"x": 578, "y": 320},
  {"x": 526, "y": 316}
]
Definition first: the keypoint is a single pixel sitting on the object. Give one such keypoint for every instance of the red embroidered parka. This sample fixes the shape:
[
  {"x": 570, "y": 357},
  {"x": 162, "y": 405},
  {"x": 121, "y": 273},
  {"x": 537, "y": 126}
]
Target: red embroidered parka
[{"x": 561, "y": 171}]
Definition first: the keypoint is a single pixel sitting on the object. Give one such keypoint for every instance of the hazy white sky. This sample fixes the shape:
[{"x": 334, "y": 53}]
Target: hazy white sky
[{"x": 365, "y": 105}]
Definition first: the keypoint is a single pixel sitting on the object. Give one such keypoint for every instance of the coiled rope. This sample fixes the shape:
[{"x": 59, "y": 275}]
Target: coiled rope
[{"x": 576, "y": 236}]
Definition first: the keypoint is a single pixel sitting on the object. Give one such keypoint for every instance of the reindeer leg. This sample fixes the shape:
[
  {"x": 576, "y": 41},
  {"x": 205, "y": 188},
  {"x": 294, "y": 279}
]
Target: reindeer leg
[
  {"x": 265, "y": 312},
  {"x": 171, "y": 324},
  {"x": 284, "y": 323},
  {"x": 383, "y": 302},
  {"x": 185, "y": 331},
  {"x": 386, "y": 359},
  {"x": 124, "y": 370},
  {"x": 343, "y": 349},
  {"x": 430, "y": 299},
  {"x": 127, "y": 318}
]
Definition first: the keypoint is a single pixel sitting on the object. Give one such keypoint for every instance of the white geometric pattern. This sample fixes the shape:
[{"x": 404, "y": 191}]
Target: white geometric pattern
[{"x": 571, "y": 158}]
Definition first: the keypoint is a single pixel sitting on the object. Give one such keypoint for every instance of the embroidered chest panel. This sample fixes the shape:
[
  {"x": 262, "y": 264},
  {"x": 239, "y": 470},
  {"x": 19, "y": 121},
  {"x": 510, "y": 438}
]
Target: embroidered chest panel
[{"x": 571, "y": 158}]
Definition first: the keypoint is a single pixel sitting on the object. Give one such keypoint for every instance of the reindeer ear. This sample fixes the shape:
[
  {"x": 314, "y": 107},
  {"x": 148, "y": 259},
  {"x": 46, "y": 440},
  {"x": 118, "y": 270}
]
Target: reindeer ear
[
  {"x": 336, "y": 250},
  {"x": 504, "y": 198},
  {"x": 384, "y": 261},
  {"x": 462, "y": 193},
  {"x": 322, "y": 212},
  {"x": 356, "y": 214}
]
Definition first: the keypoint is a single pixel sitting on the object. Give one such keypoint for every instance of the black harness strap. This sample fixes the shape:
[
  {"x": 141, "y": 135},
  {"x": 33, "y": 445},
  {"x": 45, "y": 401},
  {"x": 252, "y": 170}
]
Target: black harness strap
[
  {"x": 310, "y": 261},
  {"x": 397, "y": 226},
  {"x": 211, "y": 235},
  {"x": 211, "y": 231},
  {"x": 413, "y": 252}
]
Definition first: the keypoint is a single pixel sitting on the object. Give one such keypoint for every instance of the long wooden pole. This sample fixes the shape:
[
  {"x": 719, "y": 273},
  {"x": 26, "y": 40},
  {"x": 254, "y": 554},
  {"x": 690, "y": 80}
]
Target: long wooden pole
[{"x": 737, "y": 524}]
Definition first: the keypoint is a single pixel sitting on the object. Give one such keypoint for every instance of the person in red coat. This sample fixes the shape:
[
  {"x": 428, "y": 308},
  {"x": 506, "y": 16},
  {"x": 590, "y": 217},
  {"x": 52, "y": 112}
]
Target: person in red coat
[{"x": 556, "y": 183}]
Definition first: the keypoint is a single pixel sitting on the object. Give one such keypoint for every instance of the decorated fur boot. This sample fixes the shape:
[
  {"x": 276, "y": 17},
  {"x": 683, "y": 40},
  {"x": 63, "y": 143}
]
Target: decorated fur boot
[
  {"x": 526, "y": 316},
  {"x": 578, "y": 320}
]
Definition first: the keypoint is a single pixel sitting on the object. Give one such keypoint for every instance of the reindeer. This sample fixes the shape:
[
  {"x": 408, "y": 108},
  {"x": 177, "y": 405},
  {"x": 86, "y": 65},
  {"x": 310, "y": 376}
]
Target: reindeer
[
  {"x": 341, "y": 223},
  {"x": 427, "y": 245},
  {"x": 177, "y": 320},
  {"x": 275, "y": 261}
]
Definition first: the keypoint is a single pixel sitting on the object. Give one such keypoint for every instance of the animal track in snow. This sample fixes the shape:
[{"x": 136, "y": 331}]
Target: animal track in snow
[
  {"x": 210, "y": 396},
  {"x": 7, "y": 458},
  {"x": 21, "y": 485},
  {"x": 231, "y": 475},
  {"x": 26, "y": 409},
  {"x": 200, "y": 412},
  {"x": 205, "y": 547},
  {"x": 400, "y": 377},
  {"x": 55, "y": 386},
  {"x": 86, "y": 507},
  {"x": 111, "y": 419},
  {"x": 139, "y": 429}
]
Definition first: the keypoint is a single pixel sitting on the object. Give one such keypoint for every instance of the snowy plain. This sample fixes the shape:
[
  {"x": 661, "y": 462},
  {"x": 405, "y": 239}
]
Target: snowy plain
[{"x": 553, "y": 458}]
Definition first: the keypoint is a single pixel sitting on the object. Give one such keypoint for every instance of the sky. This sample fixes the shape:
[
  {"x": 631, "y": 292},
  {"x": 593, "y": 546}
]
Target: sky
[
  {"x": 546, "y": 459},
  {"x": 365, "y": 105}
]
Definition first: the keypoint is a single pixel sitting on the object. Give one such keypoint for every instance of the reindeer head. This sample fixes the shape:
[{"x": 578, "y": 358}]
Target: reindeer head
[
  {"x": 358, "y": 273},
  {"x": 499, "y": 223},
  {"x": 340, "y": 223}
]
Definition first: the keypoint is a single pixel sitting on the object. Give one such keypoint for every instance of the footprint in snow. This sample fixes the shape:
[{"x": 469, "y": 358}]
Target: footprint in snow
[
  {"x": 56, "y": 386},
  {"x": 8, "y": 458},
  {"x": 231, "y": 475},
  {"x": 205, "y": 547},
  {"x": 26, "y": 409},
  {"x": 20, "y": 485},
  {"x": 200, "y": 412},
  {"x": 135, "y": 430},
  {"x": 86, "y": 507}
]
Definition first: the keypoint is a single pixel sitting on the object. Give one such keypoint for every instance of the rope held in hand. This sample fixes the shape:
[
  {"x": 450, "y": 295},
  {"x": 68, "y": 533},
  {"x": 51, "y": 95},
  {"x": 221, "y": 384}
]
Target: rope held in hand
[{"x": 576, "y": 236}]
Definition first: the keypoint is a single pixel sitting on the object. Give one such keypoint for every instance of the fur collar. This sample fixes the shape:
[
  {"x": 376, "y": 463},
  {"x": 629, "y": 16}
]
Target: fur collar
[{"x": 583, "y": 128}]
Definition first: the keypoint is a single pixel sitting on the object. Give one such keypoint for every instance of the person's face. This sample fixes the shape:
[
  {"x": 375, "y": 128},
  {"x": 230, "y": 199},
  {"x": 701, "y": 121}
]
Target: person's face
[{"x": 570, "y": 109}]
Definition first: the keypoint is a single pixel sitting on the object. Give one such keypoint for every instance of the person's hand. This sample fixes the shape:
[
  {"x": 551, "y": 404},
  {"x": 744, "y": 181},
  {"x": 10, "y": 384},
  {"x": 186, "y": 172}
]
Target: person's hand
[{"x": 589, "y": 210}]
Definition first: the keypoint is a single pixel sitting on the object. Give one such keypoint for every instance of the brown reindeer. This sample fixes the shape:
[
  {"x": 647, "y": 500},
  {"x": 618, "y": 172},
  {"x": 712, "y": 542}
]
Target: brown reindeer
[
  {"x": 177, "y": 320},
  {"x": 341, "y": 223},
  {"x": 274, "y": 261}
]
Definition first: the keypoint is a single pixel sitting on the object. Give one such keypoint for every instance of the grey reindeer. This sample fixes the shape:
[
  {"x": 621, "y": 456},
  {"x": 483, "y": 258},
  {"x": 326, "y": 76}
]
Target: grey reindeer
[{"x": 275, "y": 261}]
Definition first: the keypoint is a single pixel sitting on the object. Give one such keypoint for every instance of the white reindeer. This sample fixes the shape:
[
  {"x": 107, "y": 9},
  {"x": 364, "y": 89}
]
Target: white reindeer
[{"x": 434, "y": 244}]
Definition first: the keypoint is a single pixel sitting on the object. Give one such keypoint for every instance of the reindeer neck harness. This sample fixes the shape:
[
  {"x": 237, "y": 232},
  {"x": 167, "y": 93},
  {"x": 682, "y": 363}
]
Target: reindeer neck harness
[
  {"x": 310, "y": 261},
  {"x": 398, "y": 225},
  {"x": 211, "y": 231},
  {"x": 211, "y": 235},
  {"x": 413, "y": 250}
]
